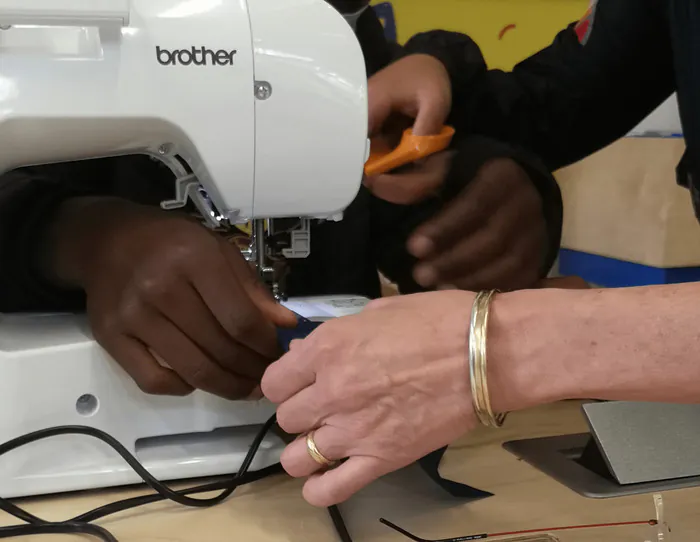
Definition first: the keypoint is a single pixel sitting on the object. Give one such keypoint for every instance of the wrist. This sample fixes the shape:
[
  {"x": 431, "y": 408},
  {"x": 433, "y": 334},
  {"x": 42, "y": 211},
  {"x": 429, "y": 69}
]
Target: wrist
[
  {"x": 75, "y": 236},
  {"x": 526, "y": 356}
]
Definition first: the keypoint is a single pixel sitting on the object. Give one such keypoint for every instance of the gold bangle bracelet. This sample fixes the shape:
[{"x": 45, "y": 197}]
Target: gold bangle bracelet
[
  {"x": 478, "y": 374},
  {"x": 475, "y": 330}
]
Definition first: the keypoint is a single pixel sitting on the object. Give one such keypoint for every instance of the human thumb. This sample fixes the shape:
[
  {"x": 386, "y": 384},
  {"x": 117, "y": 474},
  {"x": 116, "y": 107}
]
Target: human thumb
[
  {"x": 431, "y": 116},
  {"x": 275, "y": 312},
  {"x": 259, "y": 293}
]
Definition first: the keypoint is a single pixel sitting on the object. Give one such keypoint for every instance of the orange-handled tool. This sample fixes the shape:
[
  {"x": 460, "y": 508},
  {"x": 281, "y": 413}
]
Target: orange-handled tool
[{"x": 383, "y": 159}]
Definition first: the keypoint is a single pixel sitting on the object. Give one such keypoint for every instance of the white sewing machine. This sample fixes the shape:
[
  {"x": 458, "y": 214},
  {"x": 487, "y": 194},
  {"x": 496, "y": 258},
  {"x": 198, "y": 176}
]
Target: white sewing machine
[{"x": 259, "y": 109}]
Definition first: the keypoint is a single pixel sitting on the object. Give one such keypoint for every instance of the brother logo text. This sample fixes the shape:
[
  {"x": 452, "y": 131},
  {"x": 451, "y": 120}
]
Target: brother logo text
[{"x": 199, "y": 56}]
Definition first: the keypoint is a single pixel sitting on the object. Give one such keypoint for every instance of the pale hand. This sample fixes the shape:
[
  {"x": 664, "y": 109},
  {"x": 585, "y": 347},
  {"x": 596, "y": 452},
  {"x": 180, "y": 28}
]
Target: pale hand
[{"x": 382, "y": 388}]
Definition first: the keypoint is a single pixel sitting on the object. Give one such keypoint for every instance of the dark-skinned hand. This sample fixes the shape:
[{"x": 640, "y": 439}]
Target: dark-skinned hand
[
  {"x": 491, "y": 235},
  {"x": 175, "y": 304}
]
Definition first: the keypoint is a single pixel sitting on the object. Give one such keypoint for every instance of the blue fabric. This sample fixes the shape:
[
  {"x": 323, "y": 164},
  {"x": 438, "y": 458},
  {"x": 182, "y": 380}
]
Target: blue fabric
[{"x": 285, "y": 336}]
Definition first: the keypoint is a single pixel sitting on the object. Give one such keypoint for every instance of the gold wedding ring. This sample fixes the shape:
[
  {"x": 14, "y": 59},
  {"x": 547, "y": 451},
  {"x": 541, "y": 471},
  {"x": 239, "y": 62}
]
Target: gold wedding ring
[{"x": 317, "y": 456}]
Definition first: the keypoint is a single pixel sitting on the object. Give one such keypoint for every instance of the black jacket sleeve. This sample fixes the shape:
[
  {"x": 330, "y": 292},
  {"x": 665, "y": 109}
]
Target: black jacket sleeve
[
  {"x": 29, "y": 200},
  {"x": 572, "y": 98}
]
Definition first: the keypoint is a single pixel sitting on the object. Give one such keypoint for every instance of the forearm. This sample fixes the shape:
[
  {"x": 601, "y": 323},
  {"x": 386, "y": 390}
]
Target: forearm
[
  {"x": 632, "y": 344},
  {"x": 28, "y": 201}
]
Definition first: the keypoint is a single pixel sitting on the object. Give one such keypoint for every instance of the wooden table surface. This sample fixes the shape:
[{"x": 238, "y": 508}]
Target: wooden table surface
[{"x": 273, "y": 511}]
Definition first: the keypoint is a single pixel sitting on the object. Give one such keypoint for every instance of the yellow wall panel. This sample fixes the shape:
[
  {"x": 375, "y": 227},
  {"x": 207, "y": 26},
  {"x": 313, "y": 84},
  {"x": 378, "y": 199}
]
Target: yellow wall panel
[{"x": 536, "y": 22}]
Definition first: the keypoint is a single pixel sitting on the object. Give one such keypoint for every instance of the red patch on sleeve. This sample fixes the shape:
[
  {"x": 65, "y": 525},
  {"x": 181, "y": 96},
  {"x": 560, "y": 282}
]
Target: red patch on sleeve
[{"x": 584, "y": 27}]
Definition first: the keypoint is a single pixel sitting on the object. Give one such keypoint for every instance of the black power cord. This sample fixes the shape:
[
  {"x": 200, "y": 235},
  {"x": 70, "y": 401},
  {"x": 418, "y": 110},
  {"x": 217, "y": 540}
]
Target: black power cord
[{"x": 83, "y": 524}]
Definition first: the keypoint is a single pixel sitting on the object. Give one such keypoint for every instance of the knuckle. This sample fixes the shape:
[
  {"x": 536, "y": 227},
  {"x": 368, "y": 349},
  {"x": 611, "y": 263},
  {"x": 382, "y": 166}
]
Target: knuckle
[
  {"x": 340, "y": 388},
  {"x": 189, "y": 244},
  {"x": 105, "y": 326},
  {"x": 130, "y": 312},
  {"x": 243, "y": 324},
  {"x": 326, "y": 340},
  {"x": 337, "y": 388},
  {"x": 200, "y": 375},
  {"x": 153, "y": 287},
  {"x": 183, "y": 250}
]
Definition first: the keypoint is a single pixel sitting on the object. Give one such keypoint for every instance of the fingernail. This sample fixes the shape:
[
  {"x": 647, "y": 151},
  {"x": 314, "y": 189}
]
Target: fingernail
[
  {"x": 425, "y": 275},
  {"x": 420, "y": 246}
]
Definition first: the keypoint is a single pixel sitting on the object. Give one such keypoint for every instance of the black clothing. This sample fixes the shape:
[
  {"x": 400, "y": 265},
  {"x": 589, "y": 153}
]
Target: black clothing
[
  {"x": 591, "y": 86},
  {"x": 345, "y": 256}
]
